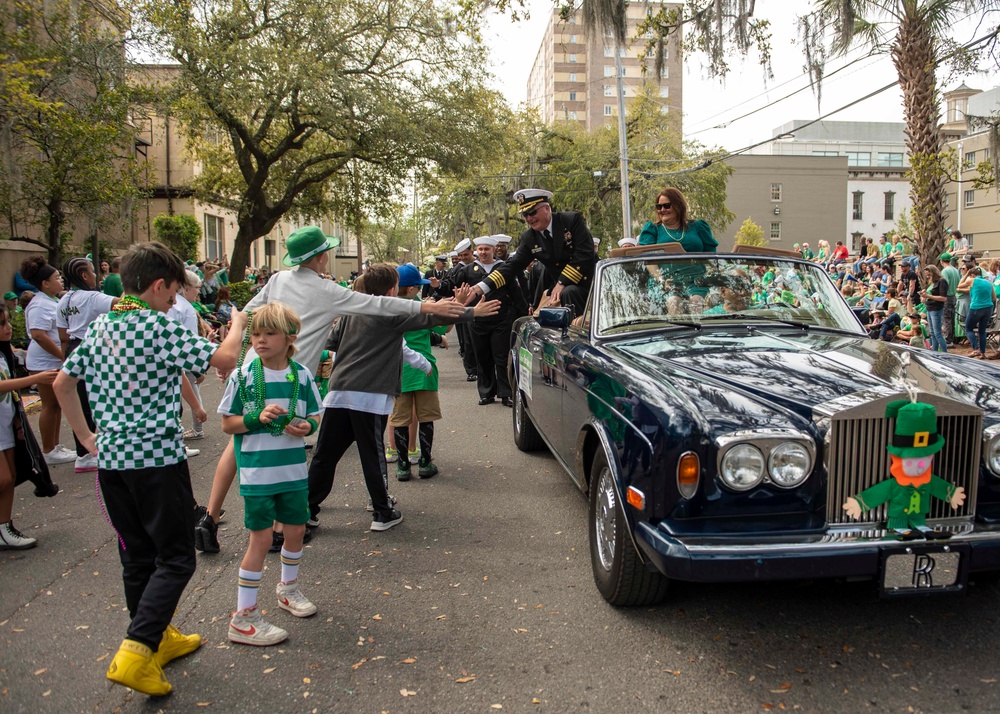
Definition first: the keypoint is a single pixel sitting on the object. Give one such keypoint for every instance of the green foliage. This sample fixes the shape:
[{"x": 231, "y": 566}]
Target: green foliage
[
  {"x": 19, "y": 329},
  {"x": 65, "y": 100},
  {"x": 750, "y": 234},
  {"x": 581, "y": 168},
  {"x": 903, "y": 224},
  {"x": 240, "y": 293},
  {"x": 180, "y": 233},
  {"x": 294, "y": 106}
]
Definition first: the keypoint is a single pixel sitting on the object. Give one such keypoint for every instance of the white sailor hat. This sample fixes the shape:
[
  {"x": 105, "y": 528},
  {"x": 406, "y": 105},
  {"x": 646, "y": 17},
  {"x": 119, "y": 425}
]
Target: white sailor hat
[
  {"x": 452, "y": 253},
  {"x": 463, "y": 245},
  {"x": 442, "y": 258},
  {"x": 486, "y": 240},
  {"x": 502, "y": 238},
  {"x": 597, "y": 241},
  {"x": 626, "y": 242},
  {"x": 528, "y": 198}
]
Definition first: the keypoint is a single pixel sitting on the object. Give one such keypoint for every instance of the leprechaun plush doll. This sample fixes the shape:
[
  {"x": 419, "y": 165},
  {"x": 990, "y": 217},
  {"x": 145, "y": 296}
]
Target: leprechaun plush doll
[{"x": 912, "y": 485}]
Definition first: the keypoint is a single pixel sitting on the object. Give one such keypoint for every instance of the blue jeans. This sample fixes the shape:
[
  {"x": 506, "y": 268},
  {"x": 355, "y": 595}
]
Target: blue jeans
[
  {"x": 937, "y": 339},
  {"x": 978, "y": 320}
]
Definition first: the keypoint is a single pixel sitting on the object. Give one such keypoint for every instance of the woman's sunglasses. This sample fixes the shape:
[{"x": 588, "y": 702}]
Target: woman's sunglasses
[{"x": 663, "y": 206}]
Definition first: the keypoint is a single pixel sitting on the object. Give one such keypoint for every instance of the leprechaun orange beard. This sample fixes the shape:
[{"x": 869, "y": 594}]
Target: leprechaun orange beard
[{"x": 896, "y": 469}]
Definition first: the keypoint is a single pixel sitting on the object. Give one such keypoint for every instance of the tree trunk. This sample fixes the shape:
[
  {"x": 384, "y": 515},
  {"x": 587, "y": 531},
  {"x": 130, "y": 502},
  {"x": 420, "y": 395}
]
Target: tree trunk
[
  {"x": 251, "y": 227},
  {"x": 56, "y": 218},
  {"x": 914, "y": 55}
]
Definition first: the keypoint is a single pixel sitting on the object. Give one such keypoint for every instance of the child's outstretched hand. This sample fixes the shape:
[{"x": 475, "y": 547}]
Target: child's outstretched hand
[
  {"x": 486, "y": 307},
  {"x": 271, "y": 412}
]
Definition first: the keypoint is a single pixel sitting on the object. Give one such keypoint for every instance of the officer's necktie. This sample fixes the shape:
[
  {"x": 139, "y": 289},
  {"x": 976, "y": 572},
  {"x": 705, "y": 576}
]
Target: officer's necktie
[{"x": 548, "y": 236}]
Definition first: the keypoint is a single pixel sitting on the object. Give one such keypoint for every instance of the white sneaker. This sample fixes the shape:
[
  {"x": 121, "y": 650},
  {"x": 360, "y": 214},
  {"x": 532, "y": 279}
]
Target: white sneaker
[
  {"x": 59, "y": 457},
  {"x": 13, "y": 539},
  {"x": 85, "y": 464},
  {"x": 191, "y": 452},
  {"x": 248, "y": 627},
  {"x": 63, "y": 449},
  {"x": 291, "y": 598}
]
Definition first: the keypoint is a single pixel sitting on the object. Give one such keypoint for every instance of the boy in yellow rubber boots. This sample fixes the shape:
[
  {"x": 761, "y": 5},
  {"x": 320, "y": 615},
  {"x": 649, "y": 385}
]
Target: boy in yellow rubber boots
[{"x": 133, "y": 361}]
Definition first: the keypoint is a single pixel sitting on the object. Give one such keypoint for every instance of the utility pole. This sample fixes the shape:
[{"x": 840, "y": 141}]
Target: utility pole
[{"x": 623, "y": 146}]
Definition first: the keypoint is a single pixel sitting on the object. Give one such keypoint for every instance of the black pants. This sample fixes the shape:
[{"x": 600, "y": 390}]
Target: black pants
[
  {"x": 468, "y": 349},
  {"x": 575, "y": 297},
  {"x": 152, "y": 510},
  {"x": 491, "y": 340},
  {"x": 81, "y": 390},
  {"x": 339, "y": 429}
]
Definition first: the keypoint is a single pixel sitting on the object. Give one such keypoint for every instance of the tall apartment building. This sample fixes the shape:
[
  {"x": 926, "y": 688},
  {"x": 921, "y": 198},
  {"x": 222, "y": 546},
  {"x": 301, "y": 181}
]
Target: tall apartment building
[{"x": 573, "y": 78}]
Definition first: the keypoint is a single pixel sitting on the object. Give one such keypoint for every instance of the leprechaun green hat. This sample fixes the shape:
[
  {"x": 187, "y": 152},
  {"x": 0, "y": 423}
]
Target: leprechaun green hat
[
  {"x": 307, "y": 242},
  {"x": 916, "y": 431}
]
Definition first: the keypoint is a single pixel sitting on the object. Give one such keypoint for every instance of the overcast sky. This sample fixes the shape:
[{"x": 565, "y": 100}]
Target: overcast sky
[{"x": 709, "y": 103}]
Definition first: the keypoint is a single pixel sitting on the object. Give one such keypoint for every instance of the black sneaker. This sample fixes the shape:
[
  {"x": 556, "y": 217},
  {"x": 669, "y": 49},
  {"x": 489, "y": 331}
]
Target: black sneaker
[
  {"x": 206, "y": 535},
  {"x": 277, "y": 540},
  {"x": 428, "y": 470},
  {"x": 313, "y": 522},
  {"x": 385, "y": 521},
  {"x": 402, "y": 471},
  {"x": 308, "y": 535}
]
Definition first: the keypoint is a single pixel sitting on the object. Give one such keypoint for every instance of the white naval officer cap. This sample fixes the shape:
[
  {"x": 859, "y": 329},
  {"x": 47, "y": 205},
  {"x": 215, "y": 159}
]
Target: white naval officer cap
[
  {"x": 528, "y": 198},
  {"x": 452, "y": 253},
  {"x": 486, "y": 240},
  {"x": 463, "y": 245}
]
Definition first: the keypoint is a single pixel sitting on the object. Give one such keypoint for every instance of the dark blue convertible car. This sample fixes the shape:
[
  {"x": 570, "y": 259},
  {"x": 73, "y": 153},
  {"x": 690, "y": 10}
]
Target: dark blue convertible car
[{"x": 719, "y": 409}]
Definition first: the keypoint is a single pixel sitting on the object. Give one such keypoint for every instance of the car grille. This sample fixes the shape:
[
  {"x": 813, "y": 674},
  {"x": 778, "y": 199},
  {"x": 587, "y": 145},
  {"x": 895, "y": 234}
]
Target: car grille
[{"x": 856, "y": 458}]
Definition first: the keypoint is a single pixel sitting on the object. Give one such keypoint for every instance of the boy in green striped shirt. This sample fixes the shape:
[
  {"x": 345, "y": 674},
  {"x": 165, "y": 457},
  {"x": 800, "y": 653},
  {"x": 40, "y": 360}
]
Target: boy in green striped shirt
[{"x": 270, "y": 405}]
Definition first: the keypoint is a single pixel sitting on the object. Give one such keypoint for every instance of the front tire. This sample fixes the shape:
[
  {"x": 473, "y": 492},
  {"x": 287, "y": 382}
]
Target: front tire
[
  {"x": 620, "y": 575},
  {"x": 526, "y": 436}
]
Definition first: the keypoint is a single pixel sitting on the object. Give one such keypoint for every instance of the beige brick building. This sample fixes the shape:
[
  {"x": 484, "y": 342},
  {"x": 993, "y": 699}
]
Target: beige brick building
[
  {"x": 795, "y": 199},
  {"x": 573, "y": 77}
]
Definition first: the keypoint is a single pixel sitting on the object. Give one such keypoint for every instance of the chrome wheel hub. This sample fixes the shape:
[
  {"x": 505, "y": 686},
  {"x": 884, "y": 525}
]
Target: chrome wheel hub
[{"x": 605, "y": 518}]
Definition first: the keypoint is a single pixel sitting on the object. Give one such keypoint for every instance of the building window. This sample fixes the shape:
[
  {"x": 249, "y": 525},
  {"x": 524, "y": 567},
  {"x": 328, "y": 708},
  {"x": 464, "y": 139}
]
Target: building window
[
  {"x": 889, "y": 159},
  {"x": 856, "y": 203},
  {"x": 825, "y": 153},
  {"x": 664, "y": 91},
  {"x": 572, "y": 39},
  {"x": 859, "y": 158},
  {"x": 572, "y": 115},
  {"x": 609, "y": 91},
  {"x": 607, "y": 110},
  {"x": 970, "y": 198},
  {"x": 890, "y": 200},
  {"x": 572, "y": 96},
  {"x": 775, "y": 191},
  {"x": 572, "y": 76},
  {"x": 970, "y": 159},
  {"x": 609, "y": 52},
  {"x": 624, "y": 71},
  {"x": 775, "y": 231},
  {"x": 214, "y": 237},
  {"x": 609, "y": 71},
  {"x": 270, "y": 249},
  {"x": 572, "y": 58},
  {"x": 665, "y": 72}
]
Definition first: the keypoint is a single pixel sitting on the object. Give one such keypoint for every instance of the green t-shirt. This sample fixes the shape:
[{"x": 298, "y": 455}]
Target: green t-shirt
[
  {"x": 223, "y": 276},
  {"x": 953, "y": 277},
  {"x": 113, "y": 285}
]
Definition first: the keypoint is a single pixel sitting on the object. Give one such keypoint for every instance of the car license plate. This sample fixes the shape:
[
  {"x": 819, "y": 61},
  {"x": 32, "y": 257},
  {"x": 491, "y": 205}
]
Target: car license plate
[{"x": 924, "y": 569}]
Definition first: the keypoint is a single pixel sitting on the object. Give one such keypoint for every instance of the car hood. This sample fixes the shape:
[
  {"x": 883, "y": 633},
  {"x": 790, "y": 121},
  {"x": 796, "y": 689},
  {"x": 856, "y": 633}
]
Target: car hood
[{"x": 799, "y": 371}]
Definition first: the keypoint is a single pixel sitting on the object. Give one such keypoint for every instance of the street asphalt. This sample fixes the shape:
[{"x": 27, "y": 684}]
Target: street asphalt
[{"x": 481, "y": 600}]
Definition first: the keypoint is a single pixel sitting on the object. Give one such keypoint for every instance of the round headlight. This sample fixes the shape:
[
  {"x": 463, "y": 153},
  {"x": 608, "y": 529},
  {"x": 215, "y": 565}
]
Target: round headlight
[
  {"x": 993, "y": 455},
  {"x": 743, "y": 467},
  {"x": 789, "y": 464}
]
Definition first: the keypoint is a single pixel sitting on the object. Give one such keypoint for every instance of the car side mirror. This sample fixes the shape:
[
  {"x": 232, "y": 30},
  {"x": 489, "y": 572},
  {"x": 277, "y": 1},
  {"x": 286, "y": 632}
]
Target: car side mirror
[{"x": 555, "y": 318}]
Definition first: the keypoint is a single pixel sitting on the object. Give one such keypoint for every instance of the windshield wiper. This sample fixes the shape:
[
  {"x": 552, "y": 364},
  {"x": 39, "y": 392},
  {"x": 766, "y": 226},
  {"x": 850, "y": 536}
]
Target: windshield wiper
[
  {"x": 751, "y": 318},
  {"x": 651, "y": 320}
]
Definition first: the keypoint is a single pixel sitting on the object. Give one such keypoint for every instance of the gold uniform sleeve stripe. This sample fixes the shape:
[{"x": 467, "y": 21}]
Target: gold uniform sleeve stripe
[{"x": 572, "y": 273}]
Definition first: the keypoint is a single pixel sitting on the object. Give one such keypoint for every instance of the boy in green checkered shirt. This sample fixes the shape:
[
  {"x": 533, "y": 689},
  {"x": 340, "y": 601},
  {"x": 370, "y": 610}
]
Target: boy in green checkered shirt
[{"x": 132, "y": 361}]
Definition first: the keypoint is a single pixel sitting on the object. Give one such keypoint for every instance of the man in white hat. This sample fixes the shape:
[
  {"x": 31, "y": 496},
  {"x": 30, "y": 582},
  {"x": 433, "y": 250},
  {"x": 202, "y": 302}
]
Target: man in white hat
[
  {"x": 463, "y": 256},
  {"x": 627, "y": 242},
  {"x": 503, "y": 246},
  {"x": 490, "y": 336},
  {"x": 560, "y": 241}
]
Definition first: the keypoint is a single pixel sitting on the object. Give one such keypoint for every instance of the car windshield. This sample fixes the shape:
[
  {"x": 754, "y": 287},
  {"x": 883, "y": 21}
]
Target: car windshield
[{"x": 645, "y": 293}]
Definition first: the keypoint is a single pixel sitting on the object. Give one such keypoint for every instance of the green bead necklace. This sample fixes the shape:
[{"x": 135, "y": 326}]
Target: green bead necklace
[
  {"x": 276, "y": 427},
  {"x": 129, "y": 303}
]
